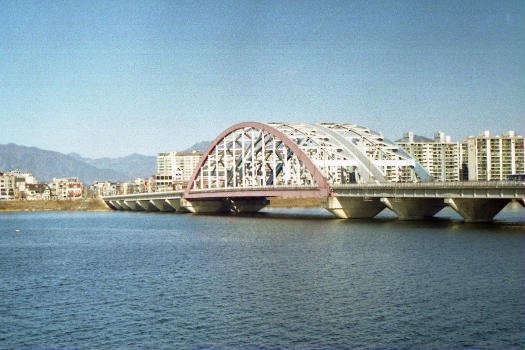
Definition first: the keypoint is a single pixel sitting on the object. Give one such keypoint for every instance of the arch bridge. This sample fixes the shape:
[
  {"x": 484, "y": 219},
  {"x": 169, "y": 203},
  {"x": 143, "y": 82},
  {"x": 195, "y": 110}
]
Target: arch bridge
[{"x": 250, "y": 162}]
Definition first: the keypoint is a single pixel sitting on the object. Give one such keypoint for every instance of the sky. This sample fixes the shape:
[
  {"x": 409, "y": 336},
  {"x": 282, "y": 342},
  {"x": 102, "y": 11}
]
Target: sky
[{"x": 111, "y": 78}]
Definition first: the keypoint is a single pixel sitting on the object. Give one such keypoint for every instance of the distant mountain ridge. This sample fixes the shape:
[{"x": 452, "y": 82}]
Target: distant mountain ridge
[
  {"x": 45, "y": 165},
  {"x": 130, "y": 167}
]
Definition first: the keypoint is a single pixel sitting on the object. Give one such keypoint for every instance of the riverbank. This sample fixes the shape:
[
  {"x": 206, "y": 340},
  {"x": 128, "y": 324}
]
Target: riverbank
[
  {"x": 95, "y": 204},
  {"x": 294, "y": 202},
  {"x": 88, "y": 204}
]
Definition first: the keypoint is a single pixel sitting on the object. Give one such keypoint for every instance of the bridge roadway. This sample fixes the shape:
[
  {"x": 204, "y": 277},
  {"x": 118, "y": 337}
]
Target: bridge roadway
[{"x": 474, "y": 201}]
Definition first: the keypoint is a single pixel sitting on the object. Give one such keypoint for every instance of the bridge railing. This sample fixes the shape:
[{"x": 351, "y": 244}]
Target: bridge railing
[{"x": 437, "y": 185}]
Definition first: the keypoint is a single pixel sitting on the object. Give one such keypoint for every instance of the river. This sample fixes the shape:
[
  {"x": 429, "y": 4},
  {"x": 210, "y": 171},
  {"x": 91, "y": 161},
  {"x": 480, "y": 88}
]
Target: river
[{"x": 285, "y": 278}]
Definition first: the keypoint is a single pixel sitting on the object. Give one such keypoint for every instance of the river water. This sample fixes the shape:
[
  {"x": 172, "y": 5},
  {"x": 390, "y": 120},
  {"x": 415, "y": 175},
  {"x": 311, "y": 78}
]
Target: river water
[{"x": 294, "y": 279}]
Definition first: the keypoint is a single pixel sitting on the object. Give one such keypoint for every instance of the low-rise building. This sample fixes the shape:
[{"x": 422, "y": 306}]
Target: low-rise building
[
  {"x": 66, "y": 188},
  {"x": 37, "y": 192},
  {"x": 13, "y": 184}
]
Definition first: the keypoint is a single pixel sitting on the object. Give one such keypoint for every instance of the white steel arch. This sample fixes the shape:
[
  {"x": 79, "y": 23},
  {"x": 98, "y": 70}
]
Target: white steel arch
[{"x": 317, "y": 155}]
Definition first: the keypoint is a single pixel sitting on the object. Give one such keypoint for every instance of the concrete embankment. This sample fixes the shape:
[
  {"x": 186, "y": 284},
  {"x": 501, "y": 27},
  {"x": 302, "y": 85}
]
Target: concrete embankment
[{"x": 90, "y": 204}]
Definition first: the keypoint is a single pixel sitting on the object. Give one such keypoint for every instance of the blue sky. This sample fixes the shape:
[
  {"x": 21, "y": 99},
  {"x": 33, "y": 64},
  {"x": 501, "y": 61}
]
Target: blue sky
[{"x": 110, "y": 78}]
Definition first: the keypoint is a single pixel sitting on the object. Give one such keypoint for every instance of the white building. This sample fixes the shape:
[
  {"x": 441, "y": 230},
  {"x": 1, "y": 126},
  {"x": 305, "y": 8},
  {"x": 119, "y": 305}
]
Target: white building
[
  {"x": 494, "y": 157},
  {"x": 174, "y": 169},
  {"x": 66, "y": 188},
  {"x": 13, "y": 184}
]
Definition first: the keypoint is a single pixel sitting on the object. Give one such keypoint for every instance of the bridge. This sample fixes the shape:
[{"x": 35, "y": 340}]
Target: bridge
[{"x": 356, "y": 172}]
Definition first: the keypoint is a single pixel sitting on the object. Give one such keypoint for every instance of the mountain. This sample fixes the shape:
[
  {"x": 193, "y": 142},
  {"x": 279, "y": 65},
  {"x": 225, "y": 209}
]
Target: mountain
[
  {"x": 199, "y": 146},
  {"x": 45, "y": 165},
  {"x": 131, "y": 167}
]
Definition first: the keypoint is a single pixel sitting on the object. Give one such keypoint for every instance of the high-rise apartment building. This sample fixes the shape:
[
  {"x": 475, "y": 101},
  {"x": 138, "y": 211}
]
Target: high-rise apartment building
[
  {"x": 495, "y": 157},
  {"x": 478, "y": 158},
  {"x": 444, "y": 159}
]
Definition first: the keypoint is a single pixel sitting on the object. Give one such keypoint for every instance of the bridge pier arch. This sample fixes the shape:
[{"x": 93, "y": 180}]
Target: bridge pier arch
[
  {"x": 477, "y": 209},
  {"x": 178, "y": 205},
  {"x": 123, "y": 205},
  {"x": 414, "y": 208},
  {"x": 161, "y": 205},
  {"x": 353, "y": 207},
  {"x": 146, "y": 205},
  {"x": 113, "y": 205},
  {"x": 133, "y": 205}
]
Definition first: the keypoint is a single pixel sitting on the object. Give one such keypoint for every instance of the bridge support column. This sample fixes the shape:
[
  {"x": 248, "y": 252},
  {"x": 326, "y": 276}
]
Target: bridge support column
[
  {"x": 123, "y": 205},
  {"x": 110, "y": 206},
  {"x": 146, "y": 205},
  {"x": 353, "y": 207},
  {"x": 477, "y": 209},
  {"x": 132, "y": 204},
  {"x": 414, "y": 208},
  {"x": 113, "y": 205},
  {"x": 201, "y": 206},
  {"x": 161, "y": 205},
  {"x": 177, "y": 205},
  {"x": 248, "y": 205}
]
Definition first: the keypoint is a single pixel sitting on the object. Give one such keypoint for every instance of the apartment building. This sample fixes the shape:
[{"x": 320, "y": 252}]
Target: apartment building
[
  {"x": 478, "y": 158},
  {"x": 495, "y": 157},
  {"x": 444, "y": 159}
]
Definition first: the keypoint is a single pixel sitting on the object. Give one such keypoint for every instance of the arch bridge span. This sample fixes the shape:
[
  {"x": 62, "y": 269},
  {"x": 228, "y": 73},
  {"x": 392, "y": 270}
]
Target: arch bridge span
[
  {"x": 251, "y": 161},
  {"x": 310, "y": 156}
]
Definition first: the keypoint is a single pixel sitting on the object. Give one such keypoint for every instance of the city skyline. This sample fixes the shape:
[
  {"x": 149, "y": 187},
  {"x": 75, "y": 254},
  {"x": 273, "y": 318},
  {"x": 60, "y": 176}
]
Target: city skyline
[{"x": 115, "y": 78}]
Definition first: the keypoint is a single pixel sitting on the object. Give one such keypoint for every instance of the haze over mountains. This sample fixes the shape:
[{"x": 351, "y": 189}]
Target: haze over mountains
[{"x": 45, "y": 165}]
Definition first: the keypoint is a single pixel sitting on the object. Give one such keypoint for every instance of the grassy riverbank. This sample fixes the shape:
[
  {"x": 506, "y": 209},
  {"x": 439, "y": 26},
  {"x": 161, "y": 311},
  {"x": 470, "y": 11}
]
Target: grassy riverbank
[{"x": 54, "y": 205}]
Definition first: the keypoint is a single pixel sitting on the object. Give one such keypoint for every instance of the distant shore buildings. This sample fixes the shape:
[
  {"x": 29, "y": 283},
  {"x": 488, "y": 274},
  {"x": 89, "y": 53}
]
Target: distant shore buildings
[{"x": 23, "y": 185}]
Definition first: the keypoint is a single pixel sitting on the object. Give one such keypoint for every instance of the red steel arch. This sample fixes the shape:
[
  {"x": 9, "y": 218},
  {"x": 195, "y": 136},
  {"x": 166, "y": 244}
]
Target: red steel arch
[{"x": 324, "y": 187}]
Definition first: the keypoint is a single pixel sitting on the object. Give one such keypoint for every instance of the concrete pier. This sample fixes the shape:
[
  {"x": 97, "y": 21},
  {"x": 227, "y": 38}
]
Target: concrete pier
[
  {"x": 354, "y": 208},
  {"x": 414, "y": 208},
  {"x": 162, "y": 205},
  {"x": 477, "y": 209},
  {"x": 147, "y": 205}
]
